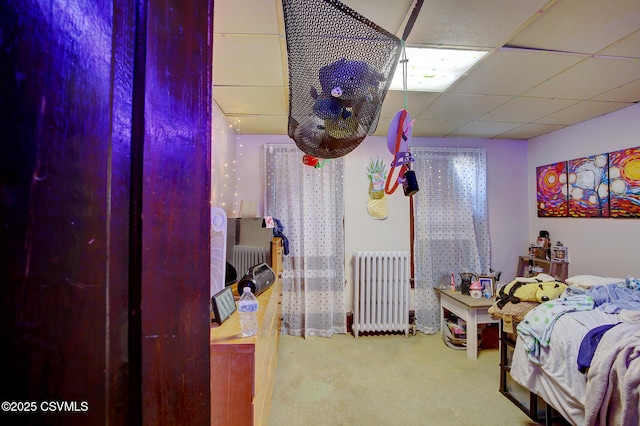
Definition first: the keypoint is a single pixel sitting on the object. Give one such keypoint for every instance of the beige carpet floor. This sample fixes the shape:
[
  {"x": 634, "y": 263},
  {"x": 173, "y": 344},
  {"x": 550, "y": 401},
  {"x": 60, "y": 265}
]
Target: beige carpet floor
[{"x": 387, "y": 380}]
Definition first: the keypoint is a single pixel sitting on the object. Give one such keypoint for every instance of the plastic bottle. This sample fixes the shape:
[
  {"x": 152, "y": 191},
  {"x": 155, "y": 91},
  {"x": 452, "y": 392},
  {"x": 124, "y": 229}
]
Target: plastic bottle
[
  {"x": 248, "y": 309},
  {"x": 453, "y": 283}
]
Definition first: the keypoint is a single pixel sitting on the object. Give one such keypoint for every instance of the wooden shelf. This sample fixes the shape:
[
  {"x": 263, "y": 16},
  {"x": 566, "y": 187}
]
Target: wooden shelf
[{"x": 558, "y": 270}]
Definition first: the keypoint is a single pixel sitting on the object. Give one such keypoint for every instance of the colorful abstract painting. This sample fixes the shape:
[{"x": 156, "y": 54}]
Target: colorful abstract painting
[
  {"x": 552, "y": 190},
  {"x": 624, "y": 182},
  {"x": 589, "y": 186}
]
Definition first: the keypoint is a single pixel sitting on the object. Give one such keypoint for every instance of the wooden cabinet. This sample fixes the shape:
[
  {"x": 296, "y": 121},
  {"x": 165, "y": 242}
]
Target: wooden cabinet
[
  {"x": 558, "y": 270},
  {"x": 243, "y": 368}
]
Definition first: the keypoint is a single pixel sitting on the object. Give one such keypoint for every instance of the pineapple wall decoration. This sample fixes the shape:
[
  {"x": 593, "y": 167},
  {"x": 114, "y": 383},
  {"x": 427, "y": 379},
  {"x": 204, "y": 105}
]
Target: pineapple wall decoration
[{"x": 377, "y": 203}]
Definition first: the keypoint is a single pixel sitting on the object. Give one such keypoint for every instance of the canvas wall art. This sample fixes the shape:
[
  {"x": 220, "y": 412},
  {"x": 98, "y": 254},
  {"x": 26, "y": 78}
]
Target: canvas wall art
[
  {"x": 552, "y": 190},
  {"x": 589, "y": 186},
  {"x": 624, "y": 182}
]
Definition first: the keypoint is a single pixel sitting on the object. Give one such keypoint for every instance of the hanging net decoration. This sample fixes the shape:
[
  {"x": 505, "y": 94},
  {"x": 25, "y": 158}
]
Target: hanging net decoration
[{"x": 340, "y": 69}]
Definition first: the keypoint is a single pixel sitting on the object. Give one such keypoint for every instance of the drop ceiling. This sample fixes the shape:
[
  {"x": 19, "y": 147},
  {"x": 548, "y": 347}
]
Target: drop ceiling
[{"x": 551, "y": 64}]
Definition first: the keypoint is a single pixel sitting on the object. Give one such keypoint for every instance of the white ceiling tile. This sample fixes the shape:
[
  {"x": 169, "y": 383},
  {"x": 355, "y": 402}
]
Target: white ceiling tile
[
  {"x": 525, "y": 109},
  {"x": 487, "y": 23},
  {"x": 380, "y": 13},
  {"x": 251, "y": 100},
  {"x": 462, "y": 107},
  {"x": 573, "y": 26},
  {"x": 628, "y": 47},
  {"x": 581, "y": 111},
  {"x": 528, "y": 131},
  {"x": 513, "y": 71},
  {"x": 247, "y": 60},
  {"x": 263, "y": 125},
  {"x": 589, "y": 78},
  {"x": 436, "y": 128},
  {"x": 628, "y": 93},
  {"x": 416, "y": 102},
  {"x": 483, "y": 129},
  {"x": 246, "y": 16}
]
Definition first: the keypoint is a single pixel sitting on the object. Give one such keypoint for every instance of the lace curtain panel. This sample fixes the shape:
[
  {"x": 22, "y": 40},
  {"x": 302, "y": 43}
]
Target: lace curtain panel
[
  {"x": 451, "y": 224},
  {"x": 309, "y": 203}
]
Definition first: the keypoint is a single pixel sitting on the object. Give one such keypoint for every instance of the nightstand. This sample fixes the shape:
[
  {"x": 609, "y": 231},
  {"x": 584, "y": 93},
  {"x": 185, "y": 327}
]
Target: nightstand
[{"x": 473, "y": 310}]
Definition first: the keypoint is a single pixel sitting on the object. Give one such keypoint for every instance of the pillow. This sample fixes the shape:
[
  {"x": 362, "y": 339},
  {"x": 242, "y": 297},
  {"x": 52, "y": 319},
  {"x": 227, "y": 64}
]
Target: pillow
[{"x": 589, "y": 281}]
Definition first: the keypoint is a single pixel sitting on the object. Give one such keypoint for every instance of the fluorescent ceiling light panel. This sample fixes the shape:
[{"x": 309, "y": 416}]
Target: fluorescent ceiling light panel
[{"x": 433, "y": 70}]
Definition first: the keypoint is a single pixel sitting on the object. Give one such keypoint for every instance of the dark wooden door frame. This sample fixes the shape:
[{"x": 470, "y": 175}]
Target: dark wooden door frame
[{"x": 105, "y": 184}]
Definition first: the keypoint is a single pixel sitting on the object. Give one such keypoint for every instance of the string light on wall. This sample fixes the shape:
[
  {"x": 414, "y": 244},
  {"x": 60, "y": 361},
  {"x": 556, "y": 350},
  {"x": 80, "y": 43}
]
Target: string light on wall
[
  {"x": 237, "y": 153},
  {"x": 219, "y": 146}
]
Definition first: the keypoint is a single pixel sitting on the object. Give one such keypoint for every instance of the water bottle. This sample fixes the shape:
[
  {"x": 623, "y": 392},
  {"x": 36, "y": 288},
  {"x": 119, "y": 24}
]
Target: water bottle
[{"x": 248, "y": 308}]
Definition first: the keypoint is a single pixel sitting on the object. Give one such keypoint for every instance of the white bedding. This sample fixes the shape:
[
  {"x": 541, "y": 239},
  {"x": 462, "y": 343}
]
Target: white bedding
[{"x": 556, "y": 378}]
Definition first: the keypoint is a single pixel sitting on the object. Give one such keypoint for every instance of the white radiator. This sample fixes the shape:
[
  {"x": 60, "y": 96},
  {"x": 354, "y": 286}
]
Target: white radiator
[
  {"x": 244, "y": 257},
  {"x": 381, "y": 291}
]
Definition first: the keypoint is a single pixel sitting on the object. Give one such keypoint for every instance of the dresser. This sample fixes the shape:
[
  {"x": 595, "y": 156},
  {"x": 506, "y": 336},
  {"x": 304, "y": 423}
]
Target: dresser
[{"x": 243, "y": 368}]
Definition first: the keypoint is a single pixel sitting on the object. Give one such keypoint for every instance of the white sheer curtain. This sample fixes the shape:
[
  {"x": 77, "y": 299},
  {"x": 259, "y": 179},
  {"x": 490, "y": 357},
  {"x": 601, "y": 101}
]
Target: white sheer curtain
[
  {"x": 310, "y": 205},
  {"x": 451, "y": 224}
]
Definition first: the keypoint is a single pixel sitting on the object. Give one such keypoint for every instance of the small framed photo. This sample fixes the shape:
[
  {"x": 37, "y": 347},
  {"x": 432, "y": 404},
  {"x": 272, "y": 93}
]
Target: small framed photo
[
  {"x": 223, "y": 305},
  {"x": 559, "y": 254},
  {"x": 488, "y": 284}
]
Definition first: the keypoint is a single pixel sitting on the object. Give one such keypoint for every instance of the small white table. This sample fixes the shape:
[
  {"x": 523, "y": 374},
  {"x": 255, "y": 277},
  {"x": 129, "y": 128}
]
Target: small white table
[{"x": 473, "y": 310}]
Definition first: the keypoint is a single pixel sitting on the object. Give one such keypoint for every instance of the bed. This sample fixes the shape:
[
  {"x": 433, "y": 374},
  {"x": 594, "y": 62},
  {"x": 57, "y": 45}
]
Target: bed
[{"x": 549, "y": 353}]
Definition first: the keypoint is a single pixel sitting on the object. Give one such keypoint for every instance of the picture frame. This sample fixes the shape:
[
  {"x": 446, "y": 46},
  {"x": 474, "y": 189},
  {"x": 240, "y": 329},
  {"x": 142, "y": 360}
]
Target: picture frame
[
  {"x": 488, "y": 284},
  {"x": 223, "y": 305},
  {"x": 559, "y": 254}
]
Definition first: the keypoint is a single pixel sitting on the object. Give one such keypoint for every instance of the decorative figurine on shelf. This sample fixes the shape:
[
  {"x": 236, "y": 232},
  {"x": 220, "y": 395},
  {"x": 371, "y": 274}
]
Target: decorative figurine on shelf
[
  {"x": 465, "y": 285},
  {"x": 475, "y": 290},
  {"x": 543, "y": 245},
  {"x": 559, "y": 253}
]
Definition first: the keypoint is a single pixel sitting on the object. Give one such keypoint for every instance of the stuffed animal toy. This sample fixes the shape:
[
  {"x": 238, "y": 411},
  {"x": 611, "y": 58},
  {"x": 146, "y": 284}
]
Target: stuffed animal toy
[
  {"x": 329, "y": 107},
  {"x": 520, "y": 290},
  {"x": 349, "y": 80},
  {"x": 550, "y": 291},
  {"x": 345, "y": 84},
  {"x": 632, "y": 283}
]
